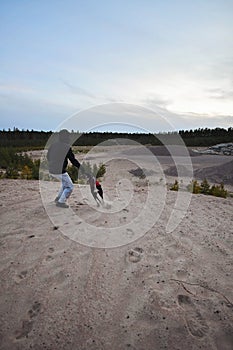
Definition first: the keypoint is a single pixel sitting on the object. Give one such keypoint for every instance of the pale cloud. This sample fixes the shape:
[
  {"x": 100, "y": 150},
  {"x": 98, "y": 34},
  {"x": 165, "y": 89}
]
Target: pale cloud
[
  {"x": 221, "y": 94},
  {"x": 78, "y": 90},
  {"x": 157, "y": 101},
  {"x": 195, "y": 120},
  {"x": 16, "y": 89},
  {"x": 175, "y": 58}
]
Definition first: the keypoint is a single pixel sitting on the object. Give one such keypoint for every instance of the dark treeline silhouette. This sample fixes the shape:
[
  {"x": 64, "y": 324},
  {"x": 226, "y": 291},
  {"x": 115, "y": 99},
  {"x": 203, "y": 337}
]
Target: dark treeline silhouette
[
  {"x": 206, "y": 136},
  {"x": 26, "y": 139}
]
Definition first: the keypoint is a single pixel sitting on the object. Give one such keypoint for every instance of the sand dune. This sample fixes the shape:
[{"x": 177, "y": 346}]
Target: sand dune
[
  {"x": 162, "y": 291},
  {"x": 217, "y": 174}
]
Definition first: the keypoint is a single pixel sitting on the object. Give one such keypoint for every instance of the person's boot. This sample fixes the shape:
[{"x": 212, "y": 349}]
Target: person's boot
[{"x": 62, "y": 205}]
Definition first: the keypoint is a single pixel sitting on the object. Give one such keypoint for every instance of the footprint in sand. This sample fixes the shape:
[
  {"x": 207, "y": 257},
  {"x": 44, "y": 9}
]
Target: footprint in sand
[
  {"x": 27, "y": 324},
  {"x": 196, "y": 324},
  {"x": 135, "y": 255},
  {"x": 129, "y": 232},
  {"x": 22, "y": 275},
  {"x": 25, "y": 330},
  {"x": 35, "y": 310},
  {"x": 50, "y": 257}
]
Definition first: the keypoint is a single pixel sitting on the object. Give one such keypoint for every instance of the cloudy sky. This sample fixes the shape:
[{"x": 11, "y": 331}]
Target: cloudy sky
[{"x": 60, "y": 57}]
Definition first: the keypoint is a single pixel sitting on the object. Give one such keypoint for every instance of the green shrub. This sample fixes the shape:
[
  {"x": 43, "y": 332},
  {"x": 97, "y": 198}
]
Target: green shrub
[
  {"x": 218, "y": 191},
  {"x": 73, "y": 172},
  {"x": 194, "y": 187},
  {"x": 101, "y": 171},
  {"x": 205, "y": 187},
  {"x": 26, "y": 173},
  {"x": 175, "y": 186},
  {"x": 35, "y": 169},
  {"x": 11, "y": 173},
  {"x": 87, "y": 168}
]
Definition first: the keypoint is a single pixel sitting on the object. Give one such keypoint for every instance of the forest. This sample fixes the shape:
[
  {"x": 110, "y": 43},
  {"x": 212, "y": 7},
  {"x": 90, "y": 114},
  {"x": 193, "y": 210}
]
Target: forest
[{"x": 31, "y": 139}]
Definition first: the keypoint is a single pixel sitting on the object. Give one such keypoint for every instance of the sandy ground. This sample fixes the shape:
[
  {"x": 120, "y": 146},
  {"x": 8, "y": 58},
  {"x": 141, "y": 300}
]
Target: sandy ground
[{"x": 163, "y": 291}]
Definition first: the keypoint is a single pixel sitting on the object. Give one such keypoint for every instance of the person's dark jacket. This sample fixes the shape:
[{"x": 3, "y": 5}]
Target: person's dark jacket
[{"x": 58, "y": 155}]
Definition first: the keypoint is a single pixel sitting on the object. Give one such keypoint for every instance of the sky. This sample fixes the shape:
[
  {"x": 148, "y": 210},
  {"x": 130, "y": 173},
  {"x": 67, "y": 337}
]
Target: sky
[{"x": 62, "y": 58}]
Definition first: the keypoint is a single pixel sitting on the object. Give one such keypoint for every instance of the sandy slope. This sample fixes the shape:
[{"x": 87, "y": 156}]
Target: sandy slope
[
  {"x": 163, "y": 291},
  {"x": 221, "y": 173}
]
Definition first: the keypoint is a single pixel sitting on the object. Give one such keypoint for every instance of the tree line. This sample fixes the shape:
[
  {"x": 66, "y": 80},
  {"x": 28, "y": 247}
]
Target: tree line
[
  {"x": 31, "y": 139},
  {"x": 15, "y": 163},
  {"x": 206, "y": 137}
]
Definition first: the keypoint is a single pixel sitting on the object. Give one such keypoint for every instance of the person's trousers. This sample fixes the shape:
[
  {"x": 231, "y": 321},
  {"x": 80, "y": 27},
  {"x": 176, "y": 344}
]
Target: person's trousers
[{"x": 66, "y": 188}]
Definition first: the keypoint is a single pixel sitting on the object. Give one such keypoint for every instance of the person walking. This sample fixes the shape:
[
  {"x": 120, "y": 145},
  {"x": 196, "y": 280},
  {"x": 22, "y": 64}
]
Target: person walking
[{"x": 58, "y": 155}]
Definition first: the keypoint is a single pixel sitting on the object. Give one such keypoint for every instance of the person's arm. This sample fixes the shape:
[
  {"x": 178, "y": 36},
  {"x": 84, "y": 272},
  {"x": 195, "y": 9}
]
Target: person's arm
[
  {"x": 75, "y": 162},
  {"x": 71, "y": 157}
]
